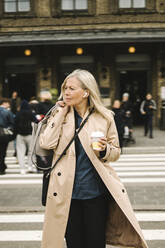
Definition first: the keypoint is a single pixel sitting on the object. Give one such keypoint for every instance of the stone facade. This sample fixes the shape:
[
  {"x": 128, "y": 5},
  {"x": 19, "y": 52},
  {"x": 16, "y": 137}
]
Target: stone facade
[{"x": 104, "y": 31}]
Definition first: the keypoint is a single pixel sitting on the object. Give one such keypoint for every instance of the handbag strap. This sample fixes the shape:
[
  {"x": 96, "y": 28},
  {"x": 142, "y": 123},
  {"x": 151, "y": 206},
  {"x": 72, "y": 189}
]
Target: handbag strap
[
  {"x": 73, "y": 138},
  {"x": 37, "y": 133}
]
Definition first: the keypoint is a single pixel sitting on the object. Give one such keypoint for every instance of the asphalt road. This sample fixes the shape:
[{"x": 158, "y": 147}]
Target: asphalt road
[{"x": 21, "y": 213}]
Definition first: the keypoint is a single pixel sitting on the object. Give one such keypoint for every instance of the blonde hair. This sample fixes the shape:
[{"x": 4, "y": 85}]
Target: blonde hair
[{"x": 89, "y": 83}]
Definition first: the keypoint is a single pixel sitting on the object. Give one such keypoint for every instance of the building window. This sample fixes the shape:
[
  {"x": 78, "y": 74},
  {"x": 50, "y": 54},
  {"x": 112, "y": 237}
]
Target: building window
[
  {"x": 132, "y": 4},
  {"x": 12, "y": 6},
  {"x": 74, "y": 5}
]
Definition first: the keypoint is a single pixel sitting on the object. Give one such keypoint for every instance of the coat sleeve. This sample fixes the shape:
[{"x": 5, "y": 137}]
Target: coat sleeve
[
  {"x": 50, "y": 136},
  {"x": 113, "y": 149}
]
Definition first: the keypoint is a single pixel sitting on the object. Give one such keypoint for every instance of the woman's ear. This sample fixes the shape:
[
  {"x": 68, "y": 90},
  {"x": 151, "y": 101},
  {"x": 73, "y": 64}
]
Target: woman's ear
[{"x": 85, "y": 94}]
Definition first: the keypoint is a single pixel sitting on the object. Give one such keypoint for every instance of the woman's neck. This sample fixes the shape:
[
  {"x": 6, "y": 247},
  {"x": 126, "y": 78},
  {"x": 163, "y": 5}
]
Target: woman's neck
[{"x": 81, "y": 109}]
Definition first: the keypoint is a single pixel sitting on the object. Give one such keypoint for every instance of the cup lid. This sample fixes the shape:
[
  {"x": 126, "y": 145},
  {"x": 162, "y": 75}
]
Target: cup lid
[{"x": 97, "y": 134}]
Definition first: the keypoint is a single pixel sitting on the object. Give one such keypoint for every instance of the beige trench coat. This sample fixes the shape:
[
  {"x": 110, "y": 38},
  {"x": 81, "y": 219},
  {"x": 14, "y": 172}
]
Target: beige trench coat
[{"x": 122, "y": 226}]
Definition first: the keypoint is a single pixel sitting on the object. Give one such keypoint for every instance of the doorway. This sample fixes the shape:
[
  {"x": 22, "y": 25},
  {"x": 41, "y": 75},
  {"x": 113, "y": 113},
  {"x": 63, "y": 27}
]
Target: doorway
[
  {"x": 135, "y": 83},
  {"x": 70, "y": 63},
  {"x": 20, "y": 76},
  {"x": 134, "y": 77},
  {"x": 23, "y": 83}
]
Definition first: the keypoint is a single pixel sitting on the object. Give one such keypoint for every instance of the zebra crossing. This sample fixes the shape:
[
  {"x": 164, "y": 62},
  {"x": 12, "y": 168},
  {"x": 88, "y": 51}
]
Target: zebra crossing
[
  {"x": 132, "y": 168},
  {"x": 24, "y": 229}
]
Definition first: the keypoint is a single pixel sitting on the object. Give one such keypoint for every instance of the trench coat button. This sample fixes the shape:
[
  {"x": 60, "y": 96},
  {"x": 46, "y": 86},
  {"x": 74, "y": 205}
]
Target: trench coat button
[
  {"x": 123, "y": 190},
  {"x": 59, "y": 173},
  {"x": 52, "y": 125},
  {"x": 55, "y": 194}
]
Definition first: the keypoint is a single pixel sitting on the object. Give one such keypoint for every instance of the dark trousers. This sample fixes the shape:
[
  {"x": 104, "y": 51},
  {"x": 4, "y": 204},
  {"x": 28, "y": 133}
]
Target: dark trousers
[
  {"x": 120, "y": 139},
  {"x": 3, "y": 149},
  {"x": 148, "y": 125},
  {"x": 87, "y": 223}
]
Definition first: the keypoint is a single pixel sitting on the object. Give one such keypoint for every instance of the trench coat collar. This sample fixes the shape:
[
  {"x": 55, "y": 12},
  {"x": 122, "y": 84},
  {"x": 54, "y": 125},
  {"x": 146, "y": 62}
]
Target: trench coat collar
[{"x": 69, "y": 124}]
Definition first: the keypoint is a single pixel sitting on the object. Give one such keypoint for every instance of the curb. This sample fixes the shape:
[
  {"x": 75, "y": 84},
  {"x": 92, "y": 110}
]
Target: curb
[
  {"x": 21, "y": 209},
  {"x": 42, "y": 209}
]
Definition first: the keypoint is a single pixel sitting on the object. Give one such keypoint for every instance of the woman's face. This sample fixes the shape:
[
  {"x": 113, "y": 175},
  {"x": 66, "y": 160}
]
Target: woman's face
[
  {"x": 116, "y": 104},
  {"x": 148, "y": 96},
  {"x": 73, "y": 92}
]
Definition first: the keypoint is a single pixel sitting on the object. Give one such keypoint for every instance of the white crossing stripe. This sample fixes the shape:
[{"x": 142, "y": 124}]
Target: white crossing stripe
[
  {"x": 124, "y": 180},
  {"x": 141, "y": 159},
  {"x": 154, "y": 234},
  {"x": 142, "y": 216},
  {"x": 21, "y": 218},
  {"x": 138, "y": 163},
  {"x": 121, "y": 156},
  {"x": 36, "y": 235},
  {"x": 21, "y": 181},
  {"x": 29, "y": 175},
  {"x": 27, "y": 235},
  {"x": 117, "y": 164},
  {"x": 139, "y": 168},
  {"x": 121, "y": 174},
  {"x": 131, "y": 168},
  {"x": 148, "y": 173},
  {"x": 143, "y": 180}
]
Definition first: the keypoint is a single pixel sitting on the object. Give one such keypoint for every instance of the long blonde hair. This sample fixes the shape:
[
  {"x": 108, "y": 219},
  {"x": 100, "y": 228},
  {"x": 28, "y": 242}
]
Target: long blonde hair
[{"x": 89, "y": 83}]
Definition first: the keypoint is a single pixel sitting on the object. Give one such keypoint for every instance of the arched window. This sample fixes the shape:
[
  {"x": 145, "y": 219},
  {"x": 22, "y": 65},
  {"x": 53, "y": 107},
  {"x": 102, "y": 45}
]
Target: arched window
[{"x": 11, "y": 6}]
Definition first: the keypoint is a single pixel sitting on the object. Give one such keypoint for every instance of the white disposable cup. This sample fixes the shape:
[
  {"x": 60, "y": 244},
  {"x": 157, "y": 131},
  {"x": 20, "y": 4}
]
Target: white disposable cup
[{"x": 95, "y": 136}]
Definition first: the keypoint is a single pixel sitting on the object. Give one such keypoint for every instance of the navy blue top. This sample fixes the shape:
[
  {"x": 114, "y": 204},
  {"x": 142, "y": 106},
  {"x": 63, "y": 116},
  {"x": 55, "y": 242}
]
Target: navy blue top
[{"x": 87, "y": 183}]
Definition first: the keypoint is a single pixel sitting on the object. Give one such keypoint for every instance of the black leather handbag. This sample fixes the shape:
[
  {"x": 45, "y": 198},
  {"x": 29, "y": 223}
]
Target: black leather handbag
[
  {"x": 6, "y": 135},
  {"x": 40, "y": 157},
  {"x": 46, "y": 174}
]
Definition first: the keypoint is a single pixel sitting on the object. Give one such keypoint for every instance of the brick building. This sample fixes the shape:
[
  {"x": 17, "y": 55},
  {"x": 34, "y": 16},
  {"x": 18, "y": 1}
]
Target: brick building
[{"x": 120, "y": 41}]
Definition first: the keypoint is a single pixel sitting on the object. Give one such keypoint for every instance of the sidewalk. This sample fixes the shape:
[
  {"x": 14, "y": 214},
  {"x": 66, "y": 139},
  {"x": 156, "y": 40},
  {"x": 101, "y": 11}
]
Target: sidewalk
[{"x": 145, "y": 144}]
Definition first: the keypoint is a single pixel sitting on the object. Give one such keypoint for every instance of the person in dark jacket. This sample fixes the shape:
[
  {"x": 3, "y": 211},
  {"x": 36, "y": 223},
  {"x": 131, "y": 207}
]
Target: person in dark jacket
[
  {"x": 119, "y": 120},
  {"x": 15, "y": 106},
  {"x": 7, "y": 121},
  {"x": 23, "y": 131},
  {"x": 35, "y": 108},
  {"x": 15, "y": 102},
  {"x": 126, "y": 107},
  {"x": 147, "y": 109}
]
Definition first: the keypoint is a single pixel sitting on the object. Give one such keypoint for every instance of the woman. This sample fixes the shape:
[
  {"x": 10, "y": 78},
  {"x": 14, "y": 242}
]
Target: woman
[
  {"x": 23, "y": 132},
  {"x": 86, "y": 203}
]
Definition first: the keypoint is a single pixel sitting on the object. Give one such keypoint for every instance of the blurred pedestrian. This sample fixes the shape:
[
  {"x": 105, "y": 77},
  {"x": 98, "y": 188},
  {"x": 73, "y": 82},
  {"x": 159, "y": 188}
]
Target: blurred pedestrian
[
  {"x": 147, "y": 108},
  {"x": 35, "y": 107},
  {"x": 119, "y": 120},
  {"x": 79, "y": 203},
  {"x": 23, "y": 131},
  {"x": 126, "y": 107},
  {"x": 6, "y": 121},
  {"x": 15, "y": 106},
  {"x": 45, "y": 102},
  {"x": 15, "y": 102}
]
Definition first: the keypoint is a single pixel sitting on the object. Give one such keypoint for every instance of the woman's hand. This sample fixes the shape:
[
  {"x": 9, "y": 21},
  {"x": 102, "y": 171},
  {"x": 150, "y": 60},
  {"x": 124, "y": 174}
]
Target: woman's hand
[
  {"x": 61, "y": 104},
  {"x": 103, "y": 143}
]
